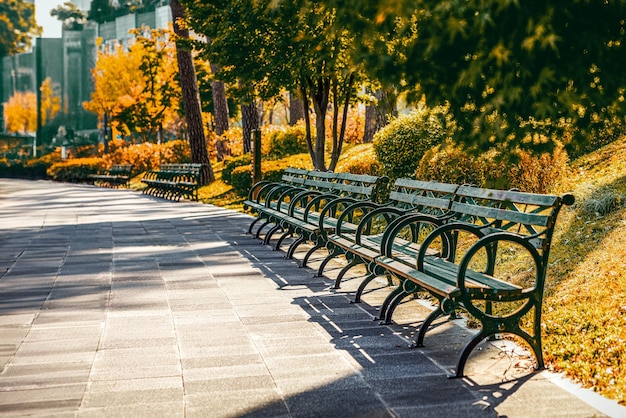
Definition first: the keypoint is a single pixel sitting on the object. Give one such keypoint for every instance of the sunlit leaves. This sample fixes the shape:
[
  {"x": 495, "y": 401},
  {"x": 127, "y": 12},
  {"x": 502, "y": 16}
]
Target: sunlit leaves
[
  {"x": 522, "y": 61},
  {"x": 138, "y": 88},
  {"x": 20, "y": 112}
]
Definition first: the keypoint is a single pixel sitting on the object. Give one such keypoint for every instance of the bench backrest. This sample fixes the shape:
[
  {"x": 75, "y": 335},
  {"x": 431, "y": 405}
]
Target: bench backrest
[
  {"x": 180, "y": 172},
  {"x": 121, "y": 168},
  {"x": 358, "y": 186},
  {"x": 424, "y": 196},
  {"x": 295, "y": 176},
  {"x": 529, "y": 215}
]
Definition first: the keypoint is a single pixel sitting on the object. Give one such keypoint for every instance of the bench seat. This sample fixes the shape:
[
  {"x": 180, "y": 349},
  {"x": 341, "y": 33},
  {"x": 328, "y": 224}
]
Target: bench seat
[{"x": 173, "y": 181}]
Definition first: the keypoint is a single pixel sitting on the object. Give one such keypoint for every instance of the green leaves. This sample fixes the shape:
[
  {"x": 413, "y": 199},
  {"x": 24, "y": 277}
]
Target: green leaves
[{"x": 499, "y": 63}]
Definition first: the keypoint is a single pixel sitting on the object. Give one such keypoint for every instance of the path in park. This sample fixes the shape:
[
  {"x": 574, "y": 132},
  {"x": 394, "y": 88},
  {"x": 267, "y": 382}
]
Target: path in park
[{"x": 113, "y": 303}]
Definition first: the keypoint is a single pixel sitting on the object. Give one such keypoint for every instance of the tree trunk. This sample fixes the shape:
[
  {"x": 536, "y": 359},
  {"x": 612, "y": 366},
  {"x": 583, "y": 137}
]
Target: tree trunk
[
  {"x": 296, "y": 109},
  {"x": 220, "y": 105},
  {"x": 377, "y": 115},
  {"x": 2, "y": 121},
  {"x": 320, "y": 93},
  {"x": 105, "y": 131},
  {"x": 191, "y": 100},
  {"x": 250, "y": 122},
  {"x": 370, "y": 123},
  {"x": 307, "y": 121},
  {"x": 338, "y": 139}
]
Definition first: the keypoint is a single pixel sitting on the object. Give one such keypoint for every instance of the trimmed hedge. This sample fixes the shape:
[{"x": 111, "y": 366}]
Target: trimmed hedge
[
  {"x": 24, "y": 170},
  {"x": 76, "y": 170},
  {"x": 232, "y": 164}
]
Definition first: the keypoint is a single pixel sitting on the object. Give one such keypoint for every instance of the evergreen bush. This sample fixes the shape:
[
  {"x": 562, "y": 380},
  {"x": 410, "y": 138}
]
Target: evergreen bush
[
  {"x": 285, "y": 141},
  {"x": 401, "y": 145},
  {"x": 232, "y": 164}
]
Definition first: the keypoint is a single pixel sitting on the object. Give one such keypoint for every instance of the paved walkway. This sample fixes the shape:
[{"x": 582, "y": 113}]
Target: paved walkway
[{"x": 117, "y": 304}]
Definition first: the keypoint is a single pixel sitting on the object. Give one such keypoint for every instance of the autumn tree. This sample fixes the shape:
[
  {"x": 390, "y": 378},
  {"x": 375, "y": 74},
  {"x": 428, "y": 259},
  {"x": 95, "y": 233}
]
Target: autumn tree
[
  {"x": 17, "y": 29},
  {"x": 117, "y": 85},
  {"x": 161, "y": 91},
  {"x": 50, "y": 103},
  {"x": 138, "y": 88},
  {"x": 20, "y": 112}
]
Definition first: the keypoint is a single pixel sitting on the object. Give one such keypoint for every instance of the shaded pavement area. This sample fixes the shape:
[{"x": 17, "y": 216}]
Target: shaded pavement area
[{"x": 113, "y": 303}]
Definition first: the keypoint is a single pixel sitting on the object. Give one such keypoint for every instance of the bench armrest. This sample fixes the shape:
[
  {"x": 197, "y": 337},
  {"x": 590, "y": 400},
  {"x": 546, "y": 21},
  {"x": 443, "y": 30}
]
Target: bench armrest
[
  {"x": 490, "y": 244},
  {"x": 448, "y": 235},
  {"x": 354, "y": 210},
  {"x": 330, "y": 208},
  {"x": 412, "y": 220},
  {"x": 301, "y": 200},
  {"x": 387, "y": 214},
  {"x": 259, "y": 191},
  {"x": 286, "y": 196}
]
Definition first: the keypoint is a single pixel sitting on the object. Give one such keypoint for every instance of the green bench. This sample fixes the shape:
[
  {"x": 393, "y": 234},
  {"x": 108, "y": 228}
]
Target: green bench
[
  {"x": 293, "y": 205},
  {"x": 313, "y": 212},
  {"x": 414, "y": 207},
  {"x": 116, "y": 176},
  {"x": 264, "y": 194},
  {"x": 466, "y": 263},
  {"x": 173, "y": 181}
]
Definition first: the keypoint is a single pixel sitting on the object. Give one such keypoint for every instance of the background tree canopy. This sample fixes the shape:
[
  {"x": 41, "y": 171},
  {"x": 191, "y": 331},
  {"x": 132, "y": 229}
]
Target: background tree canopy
[
  {"x": 505, "y": 67},
  {"x": 17, "y": 26}
]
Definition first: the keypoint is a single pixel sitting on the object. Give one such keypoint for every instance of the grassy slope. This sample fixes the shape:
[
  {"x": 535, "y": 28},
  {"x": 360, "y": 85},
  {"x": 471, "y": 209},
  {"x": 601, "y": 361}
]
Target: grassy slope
[{"x": 585, "y": 305}]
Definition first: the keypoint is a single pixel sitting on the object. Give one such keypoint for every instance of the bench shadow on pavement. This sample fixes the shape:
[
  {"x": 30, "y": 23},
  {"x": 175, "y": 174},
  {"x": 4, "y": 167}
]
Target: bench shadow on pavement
[{"x": 411, "y": 382}]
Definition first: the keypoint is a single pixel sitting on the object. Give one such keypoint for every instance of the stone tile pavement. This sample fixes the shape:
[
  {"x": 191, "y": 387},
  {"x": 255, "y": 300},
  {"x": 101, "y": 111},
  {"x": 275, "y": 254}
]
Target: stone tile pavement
[{"x": 115, "y": 304}]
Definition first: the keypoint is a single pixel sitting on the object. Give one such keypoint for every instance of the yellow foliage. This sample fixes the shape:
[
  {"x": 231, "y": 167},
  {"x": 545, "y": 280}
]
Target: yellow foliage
[
  {"x": 20, "y": 112},
  {"x": 137, "y": 88},
  {"x": 50, "y": 104}
]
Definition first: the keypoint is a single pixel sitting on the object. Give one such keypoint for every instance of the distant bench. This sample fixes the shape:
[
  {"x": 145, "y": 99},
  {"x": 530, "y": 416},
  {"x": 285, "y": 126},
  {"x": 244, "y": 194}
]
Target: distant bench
[
  {"x": 173, "y": 181},
  {"x": 117, "y": 175}
]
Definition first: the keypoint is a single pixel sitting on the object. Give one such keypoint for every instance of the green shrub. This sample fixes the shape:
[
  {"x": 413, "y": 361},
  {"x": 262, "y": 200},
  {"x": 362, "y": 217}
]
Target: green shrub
[
  {"x": 241, "y": 179},
  {"x": 285, "y": 141},
  {"x": 401, "y": 145},
  {"x": 360, "y": 160},
  {"x": 75, "y": 170},
  {"x": 233, "y": 163}
]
